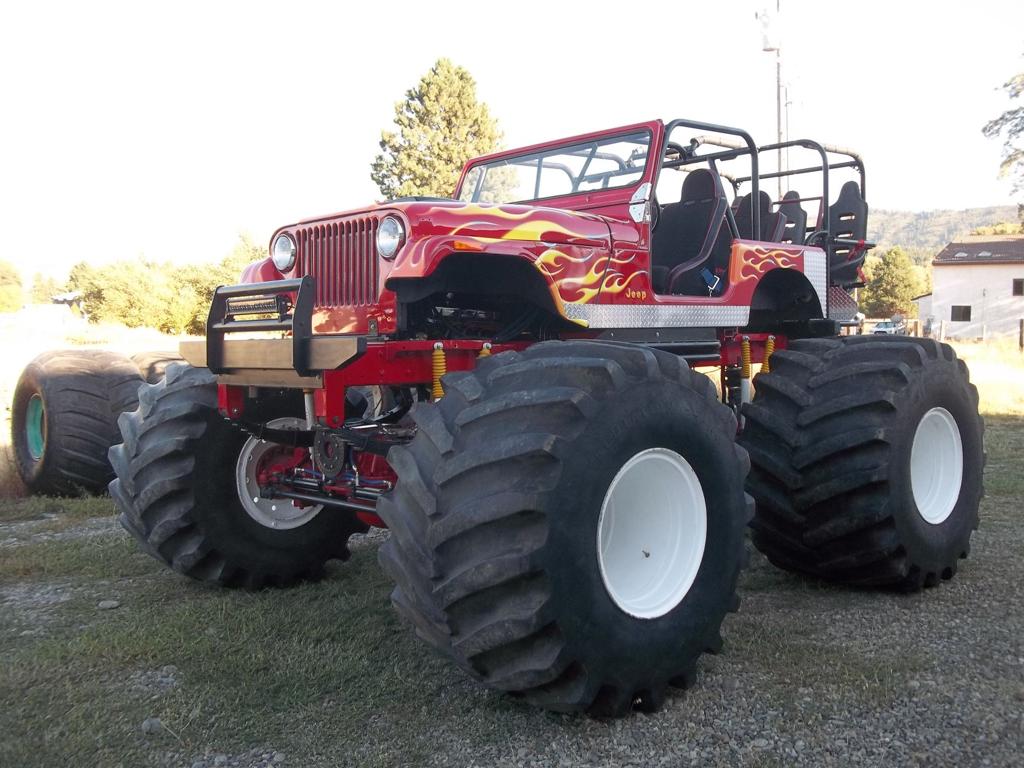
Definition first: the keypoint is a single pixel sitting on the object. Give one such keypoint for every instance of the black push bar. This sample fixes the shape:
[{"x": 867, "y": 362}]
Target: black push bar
[{"x": 274, "y": 297}]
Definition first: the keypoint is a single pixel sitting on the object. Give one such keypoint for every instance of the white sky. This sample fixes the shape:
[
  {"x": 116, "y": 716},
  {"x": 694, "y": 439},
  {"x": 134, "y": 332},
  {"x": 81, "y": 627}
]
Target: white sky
[{"x": 166, "y": 129}]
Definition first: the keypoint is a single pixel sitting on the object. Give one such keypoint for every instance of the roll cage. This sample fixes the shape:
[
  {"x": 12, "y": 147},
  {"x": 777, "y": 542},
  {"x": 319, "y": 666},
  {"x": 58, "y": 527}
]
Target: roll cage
[
  {"x": 688, "y": 155},
  {"x": 677, "y": 155}
]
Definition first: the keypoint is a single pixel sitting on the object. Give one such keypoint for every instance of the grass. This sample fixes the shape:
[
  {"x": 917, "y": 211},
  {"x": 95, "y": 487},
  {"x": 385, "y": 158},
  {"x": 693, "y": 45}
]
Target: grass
[
  {"x": 69, "y": 510},
  {"x": 252, "y": 666},
  {"x": 997, "y": 368},
  {"x": 78, "y": 558}
]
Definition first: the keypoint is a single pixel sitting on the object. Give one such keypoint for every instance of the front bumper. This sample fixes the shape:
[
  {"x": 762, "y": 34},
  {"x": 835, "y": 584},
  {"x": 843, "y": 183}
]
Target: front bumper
[{"x": 297, "y": 360}]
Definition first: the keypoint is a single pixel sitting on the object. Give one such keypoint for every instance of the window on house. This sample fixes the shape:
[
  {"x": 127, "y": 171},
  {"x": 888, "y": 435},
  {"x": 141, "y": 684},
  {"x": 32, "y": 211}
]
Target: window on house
[
  {"x": 960, "y": 313},
  {"x": 1018, "y": 286}
]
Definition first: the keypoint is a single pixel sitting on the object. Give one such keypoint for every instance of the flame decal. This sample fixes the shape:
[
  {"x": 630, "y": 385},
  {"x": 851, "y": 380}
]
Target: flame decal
[
  {"x": 483, "y": 211},
  {"x": 484, "y": 219},
  {"x": 754, "y": 262},
  {"x": 528, "y": 230},
  {"x": 553, "y": 262},
  {"x": 475, "y": 227},
  {"x": 569, "y": 249},
  {"x": 573, "y": 287},
  {"x": 615, "y": 282},
  {"x": 602, "y": 277}
]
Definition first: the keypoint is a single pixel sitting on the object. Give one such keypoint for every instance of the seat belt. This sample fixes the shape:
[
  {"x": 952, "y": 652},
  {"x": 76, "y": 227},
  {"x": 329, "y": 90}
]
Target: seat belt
[{"x": 711, "y": 280}]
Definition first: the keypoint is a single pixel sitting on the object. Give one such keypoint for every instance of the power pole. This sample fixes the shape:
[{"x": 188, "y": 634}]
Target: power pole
[
  {"x": 778, "y": 104},
  {"x": 786, "y": 105},
  {"x": 776, "y": 47}
]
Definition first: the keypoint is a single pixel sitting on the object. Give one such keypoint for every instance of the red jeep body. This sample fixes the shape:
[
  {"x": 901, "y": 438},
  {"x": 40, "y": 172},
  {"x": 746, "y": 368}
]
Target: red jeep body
[{"x": 592, "y": 256}]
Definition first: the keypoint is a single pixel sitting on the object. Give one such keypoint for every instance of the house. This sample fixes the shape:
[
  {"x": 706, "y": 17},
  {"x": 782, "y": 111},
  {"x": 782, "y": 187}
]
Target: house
[{"x": 978, "y": 287}]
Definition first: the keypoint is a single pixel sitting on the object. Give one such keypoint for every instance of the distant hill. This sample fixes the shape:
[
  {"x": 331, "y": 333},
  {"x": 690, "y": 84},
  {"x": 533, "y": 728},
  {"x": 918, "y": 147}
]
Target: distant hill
[{"x": 931, "y": 230}]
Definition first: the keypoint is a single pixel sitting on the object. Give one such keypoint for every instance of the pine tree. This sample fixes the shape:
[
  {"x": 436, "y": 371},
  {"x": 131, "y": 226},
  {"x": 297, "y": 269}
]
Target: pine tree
[
  {"x": 440, "y": 125},
  {"x": 893, "y": 283}
]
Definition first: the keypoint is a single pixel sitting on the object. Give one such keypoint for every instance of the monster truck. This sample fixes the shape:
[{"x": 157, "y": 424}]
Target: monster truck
[{"x": 507, "y": 380}]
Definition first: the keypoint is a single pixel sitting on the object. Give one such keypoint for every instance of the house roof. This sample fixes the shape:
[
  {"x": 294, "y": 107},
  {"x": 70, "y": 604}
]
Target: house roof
[{"x": 983, "y": 249}]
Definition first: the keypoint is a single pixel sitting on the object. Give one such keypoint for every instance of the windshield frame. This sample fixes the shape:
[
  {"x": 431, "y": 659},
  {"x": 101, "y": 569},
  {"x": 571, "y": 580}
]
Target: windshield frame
[{"x": 536, "y": 154}]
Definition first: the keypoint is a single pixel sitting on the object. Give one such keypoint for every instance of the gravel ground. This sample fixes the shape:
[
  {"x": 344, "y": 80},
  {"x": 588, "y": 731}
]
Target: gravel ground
[
  {"x": 27, "y": 532},
  {"x": 810, "y": 675}
]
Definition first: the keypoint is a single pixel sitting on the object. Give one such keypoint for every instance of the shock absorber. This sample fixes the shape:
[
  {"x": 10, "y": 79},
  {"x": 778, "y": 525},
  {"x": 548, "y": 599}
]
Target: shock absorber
[
  {"x": 439, "y": 367},
  {"x": 769, "y": 349},
  {"x": 744, "y": 373}
]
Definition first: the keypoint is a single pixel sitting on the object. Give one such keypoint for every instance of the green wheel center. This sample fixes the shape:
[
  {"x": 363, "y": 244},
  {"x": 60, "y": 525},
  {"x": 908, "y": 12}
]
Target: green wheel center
[{"x": 35, "y": 427}]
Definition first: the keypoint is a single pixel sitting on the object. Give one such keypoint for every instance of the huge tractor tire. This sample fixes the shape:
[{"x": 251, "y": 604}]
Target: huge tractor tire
[
  {"x": 186, "y": 489},
  {"x": 867, "y": 459},
  {"x": 64, "y": 419},
  {"x": 568, "y": 524},
  {"x": 153, "y": 365}
]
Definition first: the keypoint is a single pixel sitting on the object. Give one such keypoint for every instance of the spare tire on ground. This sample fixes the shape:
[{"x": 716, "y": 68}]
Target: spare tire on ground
[
  {"x": 64, "y": 419},
  {"x": 153, "y": 365}
]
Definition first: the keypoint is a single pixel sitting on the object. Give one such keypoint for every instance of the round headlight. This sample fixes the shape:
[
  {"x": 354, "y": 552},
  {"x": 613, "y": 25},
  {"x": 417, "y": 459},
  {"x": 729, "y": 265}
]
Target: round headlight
[
  {"x": 283, "y": 252},
  {"x": 390, "y": 235}
]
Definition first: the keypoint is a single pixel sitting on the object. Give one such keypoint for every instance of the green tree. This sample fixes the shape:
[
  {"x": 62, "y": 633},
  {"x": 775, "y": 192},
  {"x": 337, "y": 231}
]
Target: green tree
[
  {"x": 45, "y": 287},
  {"x": 892, "y": 283},
  {"x": 11, "y": 293},
  {"x": 1010, "y": 125},
  {"x": 130, "y": 293},
  {"x": 198, "y": 281},
  {"x": 440, "y": 125},
  {"x": 1002, "y": 228},
  {"x": 175, "y": 299}
]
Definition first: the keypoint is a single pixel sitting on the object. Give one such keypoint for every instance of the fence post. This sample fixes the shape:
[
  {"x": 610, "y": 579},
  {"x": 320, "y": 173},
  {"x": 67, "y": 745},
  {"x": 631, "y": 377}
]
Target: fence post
[{"x": 1020, "y": 336}]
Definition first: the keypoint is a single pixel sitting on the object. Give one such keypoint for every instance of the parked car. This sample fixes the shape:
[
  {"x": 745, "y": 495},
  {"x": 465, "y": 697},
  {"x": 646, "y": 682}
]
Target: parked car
[{"x": 890, "y": 328}]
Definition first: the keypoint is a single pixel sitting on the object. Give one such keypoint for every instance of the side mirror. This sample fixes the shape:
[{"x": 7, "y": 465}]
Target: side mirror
[{"x": 640, "y": 203}]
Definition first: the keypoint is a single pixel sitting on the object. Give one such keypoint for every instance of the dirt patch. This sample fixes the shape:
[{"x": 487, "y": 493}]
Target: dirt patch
[
  {"x": 154, "y": 682},
  {"x": 28, "y": 609},
  {"x": 53, "y": 527}
]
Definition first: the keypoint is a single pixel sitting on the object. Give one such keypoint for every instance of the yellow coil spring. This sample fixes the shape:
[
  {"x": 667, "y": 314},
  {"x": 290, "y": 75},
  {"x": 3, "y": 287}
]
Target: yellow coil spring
[
  {"x": 745, "y": 356},
  {"x": 485, "y": 351},
  {"x": 439, "y": 367},
  {"x": 769, "y": 349}
]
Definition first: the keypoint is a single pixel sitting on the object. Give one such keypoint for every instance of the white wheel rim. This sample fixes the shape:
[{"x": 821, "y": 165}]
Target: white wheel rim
[
  {"x": 279, "y": 514},
  {"x": 651, "y": 533},
  {"x": 936, "y": 465}
]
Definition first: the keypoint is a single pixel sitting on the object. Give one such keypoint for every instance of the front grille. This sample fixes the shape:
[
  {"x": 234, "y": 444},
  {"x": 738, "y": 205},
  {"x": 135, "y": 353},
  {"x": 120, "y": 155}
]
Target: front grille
[{"x": 342, "y": 256}]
